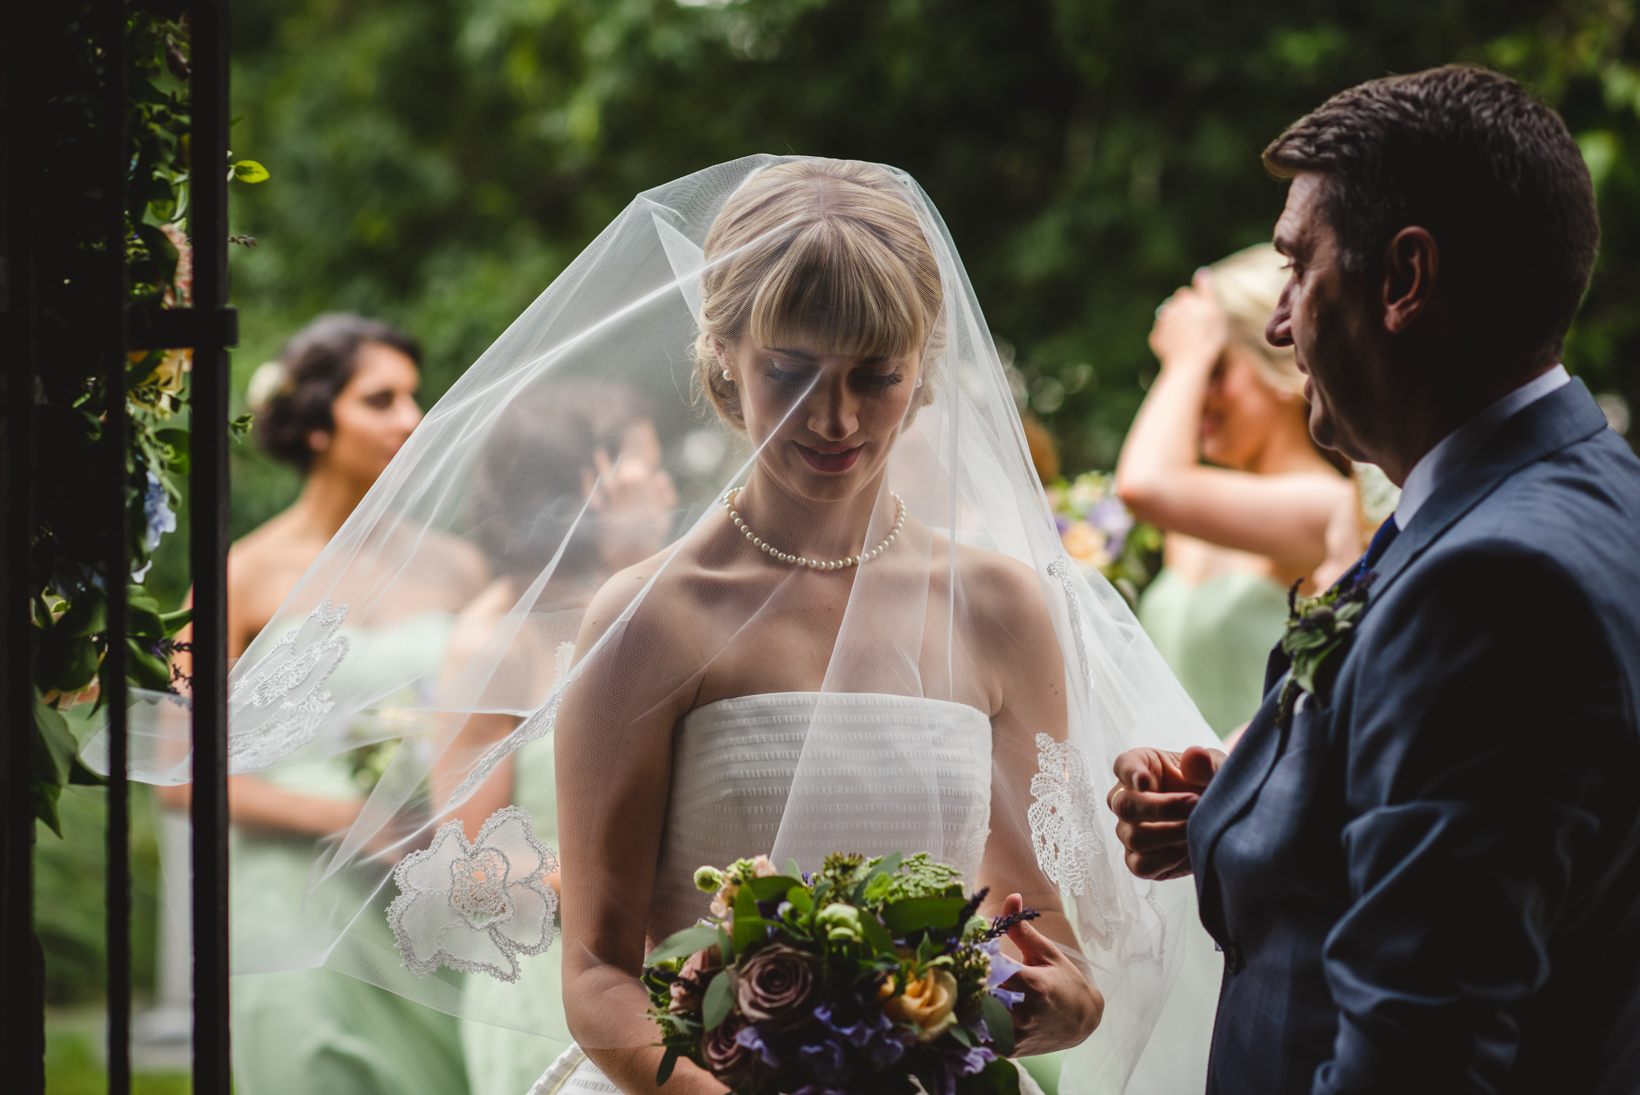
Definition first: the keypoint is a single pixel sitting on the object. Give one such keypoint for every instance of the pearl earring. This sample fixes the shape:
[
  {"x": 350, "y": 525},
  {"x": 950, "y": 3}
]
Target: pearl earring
[{"x": 727, "y": 377}]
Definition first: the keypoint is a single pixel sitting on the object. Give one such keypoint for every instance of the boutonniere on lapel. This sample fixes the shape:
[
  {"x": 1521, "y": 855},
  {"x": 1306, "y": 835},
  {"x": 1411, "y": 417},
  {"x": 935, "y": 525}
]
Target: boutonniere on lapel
[{"x": 1318, "y": 627}]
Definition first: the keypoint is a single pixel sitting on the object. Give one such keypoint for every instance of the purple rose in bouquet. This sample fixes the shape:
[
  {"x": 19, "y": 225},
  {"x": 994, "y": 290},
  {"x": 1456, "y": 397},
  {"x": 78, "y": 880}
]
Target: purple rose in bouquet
[{"x": 777, "y": 985}]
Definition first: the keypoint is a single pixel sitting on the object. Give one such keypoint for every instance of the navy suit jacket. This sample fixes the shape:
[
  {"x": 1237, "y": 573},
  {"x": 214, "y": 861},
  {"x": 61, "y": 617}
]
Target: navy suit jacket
[{"x": 1430, "y": 882}]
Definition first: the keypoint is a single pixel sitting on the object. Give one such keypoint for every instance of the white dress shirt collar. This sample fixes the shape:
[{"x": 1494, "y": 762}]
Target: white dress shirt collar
[{"x": 1456, "y": 447}]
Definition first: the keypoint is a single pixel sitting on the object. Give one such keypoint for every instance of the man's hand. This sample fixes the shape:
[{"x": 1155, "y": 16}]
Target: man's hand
[{"x": 1154, "y": 795}]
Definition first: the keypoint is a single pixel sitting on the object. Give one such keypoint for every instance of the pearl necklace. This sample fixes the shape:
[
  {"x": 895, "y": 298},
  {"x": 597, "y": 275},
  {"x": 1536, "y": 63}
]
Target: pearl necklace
[{"x": 815, "y": 564}]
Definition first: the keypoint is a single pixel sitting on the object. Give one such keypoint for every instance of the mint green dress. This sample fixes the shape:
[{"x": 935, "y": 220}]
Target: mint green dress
[
  {"x": 317, "y": 1031},
  {"x": 508, "y": 1062},
  {"x": 1216, "y": 637}
]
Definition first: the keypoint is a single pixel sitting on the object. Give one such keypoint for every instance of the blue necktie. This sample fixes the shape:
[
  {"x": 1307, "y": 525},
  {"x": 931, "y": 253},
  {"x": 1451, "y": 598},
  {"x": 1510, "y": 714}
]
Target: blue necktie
[{"x": 1381, "y": 540}]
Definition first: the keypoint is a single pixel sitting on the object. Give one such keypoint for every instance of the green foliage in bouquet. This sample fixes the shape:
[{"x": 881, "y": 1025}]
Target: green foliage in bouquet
[{"x": 868, "y": 976}]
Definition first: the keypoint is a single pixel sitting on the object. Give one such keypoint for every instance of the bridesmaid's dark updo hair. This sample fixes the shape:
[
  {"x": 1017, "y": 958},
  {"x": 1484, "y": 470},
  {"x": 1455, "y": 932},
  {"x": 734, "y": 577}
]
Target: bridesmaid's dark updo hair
[{"x": 292, "y": 397}]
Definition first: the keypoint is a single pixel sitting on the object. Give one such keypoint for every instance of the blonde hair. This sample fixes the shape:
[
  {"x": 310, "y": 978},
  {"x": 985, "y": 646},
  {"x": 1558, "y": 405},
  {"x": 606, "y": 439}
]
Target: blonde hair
[
  {"x": 1248, "y": 287},
  {"x": 826, "y": 252}
]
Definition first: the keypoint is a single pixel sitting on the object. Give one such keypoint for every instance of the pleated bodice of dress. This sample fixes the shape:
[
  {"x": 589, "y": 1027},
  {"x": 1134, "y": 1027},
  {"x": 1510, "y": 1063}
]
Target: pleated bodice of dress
[{"x": 874, "y": 774}]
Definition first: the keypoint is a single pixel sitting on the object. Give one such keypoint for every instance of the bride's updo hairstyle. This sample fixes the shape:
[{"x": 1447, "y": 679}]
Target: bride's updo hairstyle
[{"x": 825, "y": 253}]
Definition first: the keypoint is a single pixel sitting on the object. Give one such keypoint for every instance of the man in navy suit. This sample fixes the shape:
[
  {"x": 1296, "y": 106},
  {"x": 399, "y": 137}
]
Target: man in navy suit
[{"x": 1425, "y": 874}]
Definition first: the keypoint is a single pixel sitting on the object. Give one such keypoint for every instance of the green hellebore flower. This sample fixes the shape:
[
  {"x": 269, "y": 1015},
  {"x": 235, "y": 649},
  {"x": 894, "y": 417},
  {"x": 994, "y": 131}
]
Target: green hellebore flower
[
  {"x": 840, "y": 922},
  {"x": 708, "y": 879}
]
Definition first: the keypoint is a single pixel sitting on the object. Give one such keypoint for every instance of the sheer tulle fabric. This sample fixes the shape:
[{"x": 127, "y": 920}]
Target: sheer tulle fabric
[{"x": 443, "y": 617}]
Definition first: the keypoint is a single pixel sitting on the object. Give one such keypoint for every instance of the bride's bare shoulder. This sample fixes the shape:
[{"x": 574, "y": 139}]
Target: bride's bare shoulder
[
  {"x": 624, "y": 588},
  {"x": 1000, "y": 590}
]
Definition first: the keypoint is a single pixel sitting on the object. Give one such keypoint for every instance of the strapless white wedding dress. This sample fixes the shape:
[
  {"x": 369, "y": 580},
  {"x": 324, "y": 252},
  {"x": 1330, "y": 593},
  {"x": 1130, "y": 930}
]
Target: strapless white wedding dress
[{"x": 731, "y": 786}]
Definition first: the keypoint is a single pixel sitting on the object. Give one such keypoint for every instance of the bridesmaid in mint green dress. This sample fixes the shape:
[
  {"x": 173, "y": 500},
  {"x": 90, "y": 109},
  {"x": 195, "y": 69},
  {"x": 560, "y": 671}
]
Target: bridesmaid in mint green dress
[
  {"x": 554, "y": 443},
  {"x": 1220, "y": 459},
  {"x": 338, "y": 405}
]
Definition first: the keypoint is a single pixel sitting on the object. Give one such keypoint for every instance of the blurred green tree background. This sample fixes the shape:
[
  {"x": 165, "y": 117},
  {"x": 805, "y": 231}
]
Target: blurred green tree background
[{"x": 437, "y": 162}]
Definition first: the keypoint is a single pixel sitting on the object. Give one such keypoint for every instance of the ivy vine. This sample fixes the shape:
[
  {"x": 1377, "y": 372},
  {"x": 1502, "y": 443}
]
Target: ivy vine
[{"x": 68, "y": 592}]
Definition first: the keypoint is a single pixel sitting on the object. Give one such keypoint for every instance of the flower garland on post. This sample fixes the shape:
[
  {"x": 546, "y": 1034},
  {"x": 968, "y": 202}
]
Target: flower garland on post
[{"x": 67, "y": 591}]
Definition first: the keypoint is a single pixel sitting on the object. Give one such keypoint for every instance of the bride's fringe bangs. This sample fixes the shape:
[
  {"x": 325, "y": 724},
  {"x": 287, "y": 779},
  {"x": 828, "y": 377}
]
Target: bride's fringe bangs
[
  {"x": 829, "y": 255},
  {"x": 839, "y": 293}
]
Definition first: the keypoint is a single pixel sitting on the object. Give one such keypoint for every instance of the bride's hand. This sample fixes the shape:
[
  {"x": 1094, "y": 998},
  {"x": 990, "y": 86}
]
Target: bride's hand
[{"x": 1061, "y": 1006}]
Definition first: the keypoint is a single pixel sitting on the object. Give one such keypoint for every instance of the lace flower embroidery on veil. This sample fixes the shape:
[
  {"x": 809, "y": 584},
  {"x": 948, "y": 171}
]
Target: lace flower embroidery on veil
[
  {"x": 275, "y": 708},
  {"x": 1065, "y": 816},
  {"x": 476, "y": 907}
]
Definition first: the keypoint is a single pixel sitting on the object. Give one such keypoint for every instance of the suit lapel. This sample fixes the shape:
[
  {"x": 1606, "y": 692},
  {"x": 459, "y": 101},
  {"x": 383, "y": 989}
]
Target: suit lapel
[{"x": 1563, "y": 417}]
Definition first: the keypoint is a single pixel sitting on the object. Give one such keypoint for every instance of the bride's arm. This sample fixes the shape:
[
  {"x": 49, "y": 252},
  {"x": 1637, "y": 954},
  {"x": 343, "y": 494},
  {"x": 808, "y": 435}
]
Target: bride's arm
[
  {"x": 614, "y": 768},
  {"x": 1020, "y": 654}
]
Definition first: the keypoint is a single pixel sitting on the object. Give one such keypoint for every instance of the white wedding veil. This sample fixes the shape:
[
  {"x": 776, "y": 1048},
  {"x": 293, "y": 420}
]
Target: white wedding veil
[{"x": 444, "y": 617}]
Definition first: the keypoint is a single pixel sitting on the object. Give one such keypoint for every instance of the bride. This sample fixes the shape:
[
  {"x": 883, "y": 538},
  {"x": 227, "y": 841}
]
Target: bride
[
  {"x": 817, "y": 323},
  {"x": 864, "y": 637}
]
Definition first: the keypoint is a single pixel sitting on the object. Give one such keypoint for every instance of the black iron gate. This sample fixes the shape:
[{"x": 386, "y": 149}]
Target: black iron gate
[{"x": 64, "y": 314}]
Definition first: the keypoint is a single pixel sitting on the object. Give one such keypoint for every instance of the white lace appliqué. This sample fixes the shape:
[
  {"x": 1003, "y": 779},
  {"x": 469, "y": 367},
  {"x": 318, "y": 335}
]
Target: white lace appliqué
[
  {"x": 1063, "y": 814},
  {"x": 275, "y": 708},
  {"x": 476, "y": 907}
]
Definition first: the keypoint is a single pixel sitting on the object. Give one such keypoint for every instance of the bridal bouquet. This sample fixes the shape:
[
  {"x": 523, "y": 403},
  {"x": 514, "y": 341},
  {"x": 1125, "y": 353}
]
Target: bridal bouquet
[{"x": 872, "y": 975}]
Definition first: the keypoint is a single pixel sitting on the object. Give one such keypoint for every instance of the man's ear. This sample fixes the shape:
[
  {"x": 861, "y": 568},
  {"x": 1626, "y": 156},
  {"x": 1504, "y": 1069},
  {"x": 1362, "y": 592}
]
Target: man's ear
[{"x": 1412, "y": 264}]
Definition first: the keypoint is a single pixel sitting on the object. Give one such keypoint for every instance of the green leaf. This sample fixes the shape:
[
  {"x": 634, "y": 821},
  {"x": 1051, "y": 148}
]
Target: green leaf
[
  {"x": 793, "y": 870},
  {"x": 886, "y": 866},
  {"x": 57, "y": 742},
  {"x": 241, "y": 426},
  {"x": 180, "y": 444},
  {"x": 720, "y": 1001},
  {"x": 875, "y": 933},
  {"x": 749, "y": 927},
  {"x": 249, "y": 171},
  {"x": 145, "y": 670},
  {"x": 143, "y": 622},
  {"x": 45, "y": 805},
  {"x": 800, "y": 899},
  {"x": 176, "y": 621},
  {"x": 767, "y": 889},
  {"x": 922, "y": 913},
  {"x": 88, "y": 615},
  {"x": 726, "y": 946},
  {"x": 65, "y": 665},
  {"x": 668, "y": 1063},
  {"x": 999, "y": 1022},
  {"x": 683, "y": 943}
]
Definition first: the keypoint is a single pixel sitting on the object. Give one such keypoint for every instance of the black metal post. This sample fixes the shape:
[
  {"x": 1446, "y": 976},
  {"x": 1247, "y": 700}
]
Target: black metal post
[
  {"x": 110, "y": 30},
  {"x": 22, "y": 1003},
  {"x": 208, "y": 547}
]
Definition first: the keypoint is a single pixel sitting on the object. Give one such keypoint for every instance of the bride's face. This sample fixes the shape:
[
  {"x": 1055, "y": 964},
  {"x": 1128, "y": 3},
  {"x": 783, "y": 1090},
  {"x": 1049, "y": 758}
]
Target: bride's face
[{"x": 824, "y": 423}]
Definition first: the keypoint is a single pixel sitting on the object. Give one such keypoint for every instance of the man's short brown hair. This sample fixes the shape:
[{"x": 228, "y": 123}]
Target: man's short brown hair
[{"x": 1482, "y": 164}]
